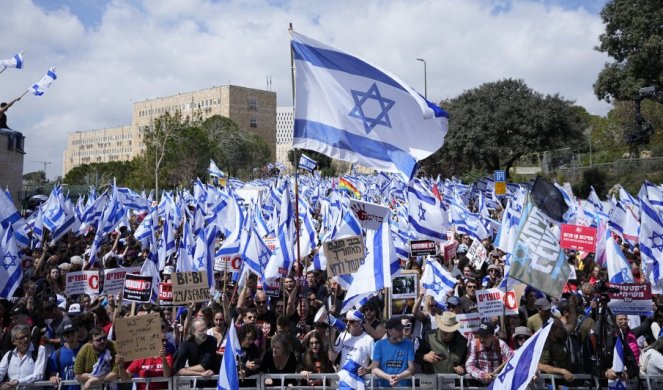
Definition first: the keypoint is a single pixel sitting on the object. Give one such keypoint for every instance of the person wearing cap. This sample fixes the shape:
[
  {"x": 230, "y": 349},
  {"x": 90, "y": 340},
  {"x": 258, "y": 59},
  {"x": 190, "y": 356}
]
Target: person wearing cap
[
  {"x": 520, "y": 335},
  {"x": 486, "y": 354},
  {"x": 393, "y": 357},
  {"x": 355, "y": 346},
  {"x": 25, "y": 363},
  {"x": 494, "y": 276},
  {"x": 444, "y": 350},
  {"x": 61, "y": 362},
  {"x": 544, "y": 308}
]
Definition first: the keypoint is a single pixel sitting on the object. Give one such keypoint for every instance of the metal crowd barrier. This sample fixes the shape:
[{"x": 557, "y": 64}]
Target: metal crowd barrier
[{"x": 330, "y": 381}]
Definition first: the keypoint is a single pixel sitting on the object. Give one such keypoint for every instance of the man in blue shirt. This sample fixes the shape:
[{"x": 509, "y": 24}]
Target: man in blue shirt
[
  {"x": 61, "y": 362},
  {"x": 393, "y": 357}
]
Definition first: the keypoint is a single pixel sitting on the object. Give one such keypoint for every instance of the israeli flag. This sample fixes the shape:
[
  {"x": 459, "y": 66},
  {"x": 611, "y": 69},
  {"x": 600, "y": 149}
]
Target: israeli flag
[
  {"x": 11, "y": 271},
  {"x": 54, "y": 214},
  {"x": 14, "y": 62},
  {"x": 213, "y": 170},
  {"x": 307, "y": 163},
  {"x": 351, "y": 110},
  {"x": 619, "y": 270},
  {"x": 437, "y": 281},
  {"x": 519, "y": 370},
  {"x": 427, "y": 217},
  {"x": 228, "y": 378},
  {"x": 617, "y": 365},
  {"x": 255, "y": 253},
  {"x": 651, "y": 241},
  {"x": 375, "y": 273},
  {"x": 42, "y": 85}
]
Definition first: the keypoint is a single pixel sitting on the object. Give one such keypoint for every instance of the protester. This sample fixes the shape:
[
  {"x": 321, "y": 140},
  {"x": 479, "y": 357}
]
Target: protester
[
  {"x": 198, "y": 351},
  {"x": 486, "y": 354},
  {"x": 393, "y": 357},
  {"x": 354, "y": 345},
  {"x": 61, "y": 362},
  {"x": 443, "y": 351},
  {"x": 95, "y": 361},
  {"x": 279, "y": 359},
  {"x": 555, "y": 356},
  {"x": 315, "y": 359},
  {"x": 152, "y": 367},
  {"x": 24, "y": 364}
]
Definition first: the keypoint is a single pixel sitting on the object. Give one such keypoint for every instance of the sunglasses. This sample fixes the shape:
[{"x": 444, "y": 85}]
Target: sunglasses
[
  {"x": 260, "y": 302},
  {"x": 473, "y": 287},
  {"x": 522, "y": 338}
]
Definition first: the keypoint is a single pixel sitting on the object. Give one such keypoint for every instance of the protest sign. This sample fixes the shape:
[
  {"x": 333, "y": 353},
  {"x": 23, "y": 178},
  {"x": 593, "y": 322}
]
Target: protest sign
[
  {"x": 370, "y": 215},
  {"x": 137, "y": 288},
  {"x": 632, "y": 298},
  {"x": 450, "y": 250},
  {"x": 232, "y": 263},
  {"x": 344, "y": 256},
  {"x": 82, "y": 282},
  {"x": 405, "y": 285},
  {"x": 422, "y": 248},
  {"x": 190, "y": 287},
  {"x": 138, "y": 337},
  {"x": 469, "y": 323},
  {"x": 114, "y": 279},
  {"x": 270, "y": 242},
  {"x": 165, "y": 294},
  {"x": 476, "y": 254},
  {"x": 582, "y": 238},
  {"x": 491, "y": 302},
  {"x": 401, "y": 306},
  {"x": 272, "y": 289}
]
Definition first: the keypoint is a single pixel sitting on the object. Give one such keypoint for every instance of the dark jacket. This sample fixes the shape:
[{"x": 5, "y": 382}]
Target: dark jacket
[{"x": 454, "y": 353}]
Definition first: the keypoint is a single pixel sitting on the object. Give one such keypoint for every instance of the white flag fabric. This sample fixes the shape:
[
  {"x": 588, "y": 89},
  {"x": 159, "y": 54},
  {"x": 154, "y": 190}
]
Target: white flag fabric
[
  {"x": 519, "y": 370},
  {"x": 437, "y": 281},
  {"x": 351, "y": 110},
  {"x": 651, "y": 242},
  {"x": 305, "y": 162},
  {"x": 228, "y": 378},
  {"x": 214, "y": 170},
  {"x": 11, "y": 272},
  {"x": 14, "y": 62},
  {"x": 619, "y": 270},
  {"x": 42, "y": 85},
  {"x": 426, "y": 215},
  {"x": 617, "y": 365}
]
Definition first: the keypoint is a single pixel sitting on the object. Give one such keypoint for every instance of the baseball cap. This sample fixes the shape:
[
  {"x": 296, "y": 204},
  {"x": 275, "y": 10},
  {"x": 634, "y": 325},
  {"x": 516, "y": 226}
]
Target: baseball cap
[
  {"x": 69, "y": 328},
  {"x": 462, "y": 248},
  {"x": 453, "y": 301},
  {"x": 394, "y": 323},
  {"x": 486, "y": 330},
  {"x": 74, "y": 309},
  {"x": 542, "y": 304},
  {"x": 19, "y": 310}
]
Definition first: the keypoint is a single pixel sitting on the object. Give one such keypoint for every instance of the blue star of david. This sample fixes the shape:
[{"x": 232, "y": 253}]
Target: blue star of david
[
  {"x": 508, "y": 368},
  {"x": 201, "y": 260},
  {"x": 436, "y": 286},
  {"x": 422, "y": 213},
  {"x": 358, "y": 111},
  {"x": 263, "y": 259},
  {"x": 9, "y": 261},
  {"x": 160, "y": 243},
  {"x": 653, "y": 241},
  {"x": 52, "y": 212}
]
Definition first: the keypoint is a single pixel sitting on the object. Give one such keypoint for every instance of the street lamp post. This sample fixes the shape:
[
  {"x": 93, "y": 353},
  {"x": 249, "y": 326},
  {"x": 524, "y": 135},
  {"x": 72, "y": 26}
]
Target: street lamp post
[{"x": 425, "y": 78}]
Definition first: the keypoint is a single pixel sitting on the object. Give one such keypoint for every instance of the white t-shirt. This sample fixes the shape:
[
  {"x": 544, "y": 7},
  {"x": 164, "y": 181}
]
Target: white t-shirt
[{"x": 358, "y": 348}]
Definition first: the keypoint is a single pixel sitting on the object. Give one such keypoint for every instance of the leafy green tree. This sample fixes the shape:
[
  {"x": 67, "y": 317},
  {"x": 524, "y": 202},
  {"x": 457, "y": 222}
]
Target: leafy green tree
[
  {"x": 492, "y": 126},
  {"x": 324, "y": 162},
  {"x": 37, "y": 177},
  {"x": 633, "y": 37},
  {"x": 99, "y": 174}
]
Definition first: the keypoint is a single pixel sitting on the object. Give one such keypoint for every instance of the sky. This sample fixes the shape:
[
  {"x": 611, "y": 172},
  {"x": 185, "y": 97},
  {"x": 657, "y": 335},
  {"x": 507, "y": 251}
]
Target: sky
[{"x": 110, "y": 53}]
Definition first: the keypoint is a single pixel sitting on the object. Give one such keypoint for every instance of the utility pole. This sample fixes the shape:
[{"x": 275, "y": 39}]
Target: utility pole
[{"x": 45, "y": 164}]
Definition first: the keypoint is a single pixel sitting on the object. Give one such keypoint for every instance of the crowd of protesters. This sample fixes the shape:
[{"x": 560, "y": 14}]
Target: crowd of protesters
[{"x": 48, "y": 334}]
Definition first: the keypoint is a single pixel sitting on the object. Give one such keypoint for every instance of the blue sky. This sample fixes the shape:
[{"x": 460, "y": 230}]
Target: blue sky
[{"x": 110, "y": 53}]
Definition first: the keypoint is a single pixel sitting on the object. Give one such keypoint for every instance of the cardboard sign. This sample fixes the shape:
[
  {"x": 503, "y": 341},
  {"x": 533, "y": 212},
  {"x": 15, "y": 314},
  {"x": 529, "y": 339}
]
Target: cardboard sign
[
  {"x": 344, "y": 256},
  {"x": 582, "y": 238},
  {"x": 138, "y": 337},
  {"x": 165, "y": 294},
  {"x": 491, "y": 302},
  {"x": 82, "y": 282},
  {"x": 232, "y": 263},
  {"x": 137, "y": 288},
  {"x": 114, "y": 279},
  {"x": 476, "y": 254},
  {"x": 469, "y": 323},
  {"x": 190, "y": 287},
  {"x": 370, "y": 215},
  {"x": 422, "y": 248},
  {"x": 632, "y": 298}
]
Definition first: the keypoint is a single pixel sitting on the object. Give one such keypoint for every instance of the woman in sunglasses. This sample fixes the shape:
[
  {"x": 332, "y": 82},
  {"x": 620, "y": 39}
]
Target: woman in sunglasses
[{"x": 315, "y": 359}]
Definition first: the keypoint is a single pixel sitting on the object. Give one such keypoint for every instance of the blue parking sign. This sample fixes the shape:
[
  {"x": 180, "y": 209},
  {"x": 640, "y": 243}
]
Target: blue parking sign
[{"x": 500, "y": 175}]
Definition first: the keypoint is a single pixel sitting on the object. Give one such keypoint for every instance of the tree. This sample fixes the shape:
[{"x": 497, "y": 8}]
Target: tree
[
  {"x": 492, "y": 126},
  {"x": 323, "y": 161},
  {"x": 634, "y": 38},
  {"x": 98, "y": 174},
  {"x": 37, "y": 177}
]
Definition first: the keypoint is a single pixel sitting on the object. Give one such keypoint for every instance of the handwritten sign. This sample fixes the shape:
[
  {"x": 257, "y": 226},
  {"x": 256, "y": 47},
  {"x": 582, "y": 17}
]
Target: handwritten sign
[
  {"x": 370, "y": 215},
  {"x": 190, "y": 287},
  {"x": 469, "y": 323},
  {"x": 114, "y": 279},
  {"x": 138, "y": 337},
  {"x": 423, "y": 248},
  {"x": 137, "y": 288},
  {"x": 491, "y": 302},
  {"x": 82, "y": 282},
  {"x": 582, "y": 238},
  {"x": 344, "y": 256},
  {"x": 477, "y": 254},
  {"x": 632, "y": 298}
]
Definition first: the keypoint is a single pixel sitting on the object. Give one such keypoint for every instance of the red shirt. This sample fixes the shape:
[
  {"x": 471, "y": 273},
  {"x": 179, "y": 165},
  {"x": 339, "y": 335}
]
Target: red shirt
[{"x": 150, "y": 368}]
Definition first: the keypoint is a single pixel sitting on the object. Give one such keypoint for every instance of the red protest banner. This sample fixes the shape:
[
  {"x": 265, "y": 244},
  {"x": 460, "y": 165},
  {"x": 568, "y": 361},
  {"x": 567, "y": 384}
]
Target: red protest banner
[{"x": 582, "y": 238}]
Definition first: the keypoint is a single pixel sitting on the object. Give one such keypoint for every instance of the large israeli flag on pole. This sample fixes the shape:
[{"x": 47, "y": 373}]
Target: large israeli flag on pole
[
  {"x": 519, "y": 370},
  {"x": 351, "y": 110},
  {"x": 11, "y": 272}
]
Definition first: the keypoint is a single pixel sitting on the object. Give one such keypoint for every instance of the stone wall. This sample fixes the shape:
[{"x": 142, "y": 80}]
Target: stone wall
[{"x": 11, "y": 169}]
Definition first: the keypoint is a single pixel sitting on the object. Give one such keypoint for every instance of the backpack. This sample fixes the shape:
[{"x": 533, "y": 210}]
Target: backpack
[{"x": 34, "y": 354}]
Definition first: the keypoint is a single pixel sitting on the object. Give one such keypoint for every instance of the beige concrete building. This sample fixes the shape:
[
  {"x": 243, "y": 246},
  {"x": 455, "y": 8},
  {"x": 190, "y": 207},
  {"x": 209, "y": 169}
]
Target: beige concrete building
[
  {"x": 285, "y": 125},
  {"x": 253, "y": 110}
]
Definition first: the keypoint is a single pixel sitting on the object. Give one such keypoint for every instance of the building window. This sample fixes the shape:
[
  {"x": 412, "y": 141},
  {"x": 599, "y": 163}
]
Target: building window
[
  {"x": 253, "y": 104},
  {"x": 253, "y": 123}
]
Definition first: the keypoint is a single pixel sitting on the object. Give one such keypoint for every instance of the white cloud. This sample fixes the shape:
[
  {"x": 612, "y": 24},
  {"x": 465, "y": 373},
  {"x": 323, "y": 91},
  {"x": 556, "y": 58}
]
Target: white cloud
[{"x": 142, "y": 50}]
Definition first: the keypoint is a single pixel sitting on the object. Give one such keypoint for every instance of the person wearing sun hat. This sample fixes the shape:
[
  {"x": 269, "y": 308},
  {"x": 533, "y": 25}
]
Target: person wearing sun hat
[{"x": 444, "y": 350}]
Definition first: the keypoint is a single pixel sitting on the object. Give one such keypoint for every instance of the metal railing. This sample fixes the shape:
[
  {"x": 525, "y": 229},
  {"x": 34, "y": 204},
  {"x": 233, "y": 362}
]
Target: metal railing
[{"x": 330, "y": 381}]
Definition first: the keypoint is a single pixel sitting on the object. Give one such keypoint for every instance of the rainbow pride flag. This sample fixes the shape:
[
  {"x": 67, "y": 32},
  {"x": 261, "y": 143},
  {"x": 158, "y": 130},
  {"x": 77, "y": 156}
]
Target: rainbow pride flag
[{"x": 347, "y": 186}]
